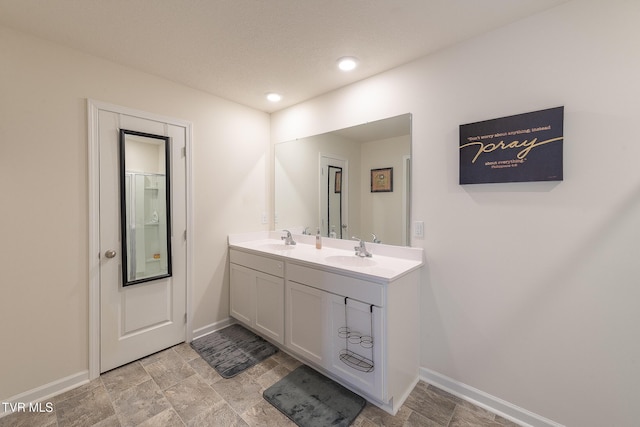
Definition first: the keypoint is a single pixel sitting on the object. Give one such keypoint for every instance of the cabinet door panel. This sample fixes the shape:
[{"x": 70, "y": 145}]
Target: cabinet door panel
[
  {"x": 307, "y": 321},
  {"x": 241, "y": 293},
  {"x": 364, "y": 340},
  {"x": 270, "y": 306}
]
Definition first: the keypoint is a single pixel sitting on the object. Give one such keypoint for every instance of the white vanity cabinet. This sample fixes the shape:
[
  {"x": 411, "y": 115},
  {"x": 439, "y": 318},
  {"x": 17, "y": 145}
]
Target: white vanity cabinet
[
  {"x": 257, "y": 293},
  {"x": 356, "y": 320}
]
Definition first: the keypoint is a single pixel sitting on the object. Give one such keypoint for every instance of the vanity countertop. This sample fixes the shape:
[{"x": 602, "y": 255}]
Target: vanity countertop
[{"x": 387, "y": 263}]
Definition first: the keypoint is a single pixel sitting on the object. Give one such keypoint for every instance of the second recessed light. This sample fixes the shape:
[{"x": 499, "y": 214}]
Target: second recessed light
[
  {"x": 347, "y": 63},
  {"x": 274, "y": 97}
]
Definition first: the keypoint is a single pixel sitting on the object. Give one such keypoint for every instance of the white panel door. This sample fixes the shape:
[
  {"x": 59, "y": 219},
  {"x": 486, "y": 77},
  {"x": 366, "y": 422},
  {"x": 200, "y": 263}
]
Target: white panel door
[{"x": 141, "y": 319}]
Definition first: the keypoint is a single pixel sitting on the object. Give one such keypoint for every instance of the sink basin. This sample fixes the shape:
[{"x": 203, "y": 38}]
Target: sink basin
[
  {"x": 350, "y": 261},
  {"x": 276, "y": 247}
]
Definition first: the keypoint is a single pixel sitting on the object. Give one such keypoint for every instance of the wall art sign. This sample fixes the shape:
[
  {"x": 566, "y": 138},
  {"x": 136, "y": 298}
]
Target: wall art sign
[
  {"x": 382, "y": 180},
  {"x": 521, "y": 148}
]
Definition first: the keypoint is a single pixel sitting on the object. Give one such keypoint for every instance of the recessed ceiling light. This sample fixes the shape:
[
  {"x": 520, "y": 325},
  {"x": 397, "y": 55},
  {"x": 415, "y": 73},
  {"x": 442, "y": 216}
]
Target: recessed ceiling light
[
  {"x": 347, "y": 63},
  {"x": 274, "y": 97}
]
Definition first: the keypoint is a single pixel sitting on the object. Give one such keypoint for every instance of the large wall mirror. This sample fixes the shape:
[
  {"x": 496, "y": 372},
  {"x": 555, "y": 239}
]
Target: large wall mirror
[
  {"x": 144, "y": 207},
  {"x": 325, "y": 181}
]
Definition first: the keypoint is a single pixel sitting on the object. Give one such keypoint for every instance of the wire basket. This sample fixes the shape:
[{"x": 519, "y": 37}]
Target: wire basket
[
  {"x": 349, "y": 357},
  {"x": 356, "y": 361}
]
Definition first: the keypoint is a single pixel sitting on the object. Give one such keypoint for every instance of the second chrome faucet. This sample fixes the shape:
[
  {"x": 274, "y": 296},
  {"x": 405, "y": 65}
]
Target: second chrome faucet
[{"x": 361, "y": 249}]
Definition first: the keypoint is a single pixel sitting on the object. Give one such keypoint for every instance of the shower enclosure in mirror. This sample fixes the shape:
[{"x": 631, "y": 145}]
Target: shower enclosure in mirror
[
  {"x": 308, "y": 170},
  {"x": 144, "y": 198}
]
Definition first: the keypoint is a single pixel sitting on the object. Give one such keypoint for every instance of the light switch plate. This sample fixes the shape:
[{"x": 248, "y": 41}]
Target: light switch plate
[{"x": 418, "y": 229}]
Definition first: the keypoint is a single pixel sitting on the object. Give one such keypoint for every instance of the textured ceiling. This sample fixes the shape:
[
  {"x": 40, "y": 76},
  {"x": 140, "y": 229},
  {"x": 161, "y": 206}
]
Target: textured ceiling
[{"x": 242, "y": 49}]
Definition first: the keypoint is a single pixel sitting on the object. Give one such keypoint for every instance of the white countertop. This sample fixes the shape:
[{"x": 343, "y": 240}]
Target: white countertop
[{"x": 387, "y": 263}]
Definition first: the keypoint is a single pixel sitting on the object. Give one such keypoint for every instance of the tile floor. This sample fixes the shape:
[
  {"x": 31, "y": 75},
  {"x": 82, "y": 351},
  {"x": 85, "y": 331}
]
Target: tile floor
[{"x": 176, "y": 387}]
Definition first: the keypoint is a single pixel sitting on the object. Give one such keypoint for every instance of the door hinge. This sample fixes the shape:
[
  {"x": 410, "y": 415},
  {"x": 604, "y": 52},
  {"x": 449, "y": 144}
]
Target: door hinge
[
  {"x": 185, "y": 318},
  {"x": 184, "y": 152},
  {"x": 184, "y": 235}
]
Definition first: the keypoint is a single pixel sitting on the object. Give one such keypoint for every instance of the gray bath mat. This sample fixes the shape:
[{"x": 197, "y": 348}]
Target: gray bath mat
[
  {"x": 310, "y": 399},
  {"x": 233, "y": 349}
]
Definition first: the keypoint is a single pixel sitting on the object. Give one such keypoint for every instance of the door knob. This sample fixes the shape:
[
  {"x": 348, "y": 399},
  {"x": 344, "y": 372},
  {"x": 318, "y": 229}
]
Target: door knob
[{"x": 110, "y": 253}]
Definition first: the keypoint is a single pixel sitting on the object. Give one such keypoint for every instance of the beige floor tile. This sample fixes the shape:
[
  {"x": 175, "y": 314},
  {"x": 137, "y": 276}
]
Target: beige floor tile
[
  {"x": 272, "y": 376},
  {"x": 220, "y": 414},
  {"x": 125, "y": 377},
  {"x": 241, "y": 392},
  {"x": 264, "y": 414},
  {"x": 430, "y": 404},
  {"x": 186, "y": 352},
  {"x": 166, "y": 418},
  {"x": 85, "y": 409},
  {"x": 139, "y": 403},
  {"x": 206, "y": 372},
  {"x": 381, "y": 418},
  {"x": 191, "y": 397},
  {"x": 169, "y": 369},
  {"x": 463, "y": 417},
  {"x": 417, "y": 420}
]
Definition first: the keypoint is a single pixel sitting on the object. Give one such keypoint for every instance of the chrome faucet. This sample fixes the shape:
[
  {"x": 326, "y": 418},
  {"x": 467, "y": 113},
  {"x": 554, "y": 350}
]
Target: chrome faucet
[
  {"x": 288, "y": 239},
  {"x": 375, "y": 239},
  {"x": 361, "y": 249}
]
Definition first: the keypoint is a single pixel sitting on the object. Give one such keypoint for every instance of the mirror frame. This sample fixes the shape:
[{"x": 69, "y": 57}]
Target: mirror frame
[{"x": 123, "y": 207}]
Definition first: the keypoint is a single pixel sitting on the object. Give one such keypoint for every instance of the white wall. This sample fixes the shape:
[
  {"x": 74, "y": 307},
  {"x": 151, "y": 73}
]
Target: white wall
[
  {"x": 381, "y": 213},
  {"x": 530, "y": 291},
  {"x": 44, "y": 197}
]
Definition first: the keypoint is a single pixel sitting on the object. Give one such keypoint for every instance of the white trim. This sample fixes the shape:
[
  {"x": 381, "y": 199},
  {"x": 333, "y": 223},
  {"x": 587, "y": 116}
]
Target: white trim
[
  {"x": 485, "y": 400},
  {"x": 94, "y": 107},
  {"x": 406, "y": 199},
  {"x": 212, "y": 327},
  {"x": 190, "y": 204},
  {"x": 47, "y": 391},
  {"x": 94, "y": 241}
]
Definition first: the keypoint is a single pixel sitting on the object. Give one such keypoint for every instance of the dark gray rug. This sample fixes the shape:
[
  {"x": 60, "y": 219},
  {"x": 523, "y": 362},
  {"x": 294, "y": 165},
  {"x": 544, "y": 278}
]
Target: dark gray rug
[
  {"x": 310, "y": 399},
  {"x": 233, "y": 349}
]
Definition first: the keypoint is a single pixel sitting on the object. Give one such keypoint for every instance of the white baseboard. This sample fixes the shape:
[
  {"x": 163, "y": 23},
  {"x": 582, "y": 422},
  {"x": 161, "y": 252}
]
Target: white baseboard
[
  {"x": 46, "y": 391},
  {"x": 216, "y": 326},
  {"x": 484, "y": 400}
]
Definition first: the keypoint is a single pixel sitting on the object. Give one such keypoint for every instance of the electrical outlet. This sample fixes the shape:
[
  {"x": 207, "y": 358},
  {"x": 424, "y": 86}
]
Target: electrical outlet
[
  {"x": 418, "y": 229},
  {"x": 263, "y": 218}
]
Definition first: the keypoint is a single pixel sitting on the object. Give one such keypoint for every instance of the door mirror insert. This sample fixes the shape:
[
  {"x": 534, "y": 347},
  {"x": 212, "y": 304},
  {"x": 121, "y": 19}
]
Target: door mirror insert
[{"x": 144, "y": 207}]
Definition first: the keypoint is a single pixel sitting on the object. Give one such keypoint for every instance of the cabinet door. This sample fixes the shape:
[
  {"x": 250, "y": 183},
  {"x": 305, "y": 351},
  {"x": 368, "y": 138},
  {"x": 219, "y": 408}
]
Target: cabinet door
[
  {"x": 242, "y": 299},
  {"x": 356, "y": 345},
  {"x": 269, "y": 303},
  {"x": 307, "y": 314}
]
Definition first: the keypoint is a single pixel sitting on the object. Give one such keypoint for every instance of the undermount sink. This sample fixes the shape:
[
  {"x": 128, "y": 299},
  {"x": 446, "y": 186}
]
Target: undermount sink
[
  {"x": 276, "y": 246},
  {"x": 350, "y": 261}
]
